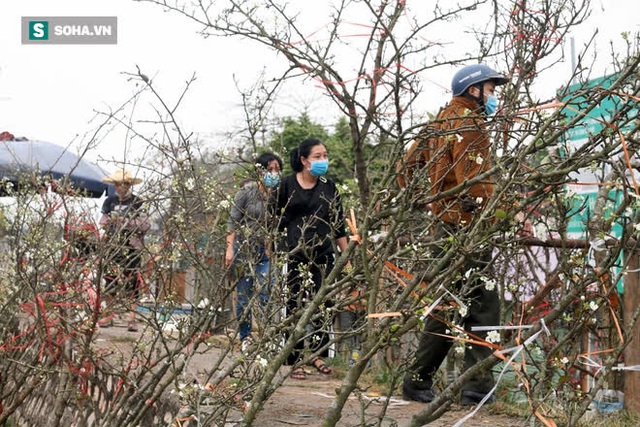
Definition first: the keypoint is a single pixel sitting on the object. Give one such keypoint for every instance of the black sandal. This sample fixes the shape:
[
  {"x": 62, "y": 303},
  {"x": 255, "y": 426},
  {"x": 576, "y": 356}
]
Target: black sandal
[{"x": 321, "y": 367}]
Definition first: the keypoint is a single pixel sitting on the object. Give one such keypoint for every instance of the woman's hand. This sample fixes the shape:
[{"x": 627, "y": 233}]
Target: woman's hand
[
  {"x": 228, "y": 256},
  {"x": 230, "y": 253}
]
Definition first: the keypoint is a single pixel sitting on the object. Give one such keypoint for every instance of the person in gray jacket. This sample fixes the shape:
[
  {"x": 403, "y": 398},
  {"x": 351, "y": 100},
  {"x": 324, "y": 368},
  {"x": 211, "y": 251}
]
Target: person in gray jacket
[{"x": 246, "y": 247}]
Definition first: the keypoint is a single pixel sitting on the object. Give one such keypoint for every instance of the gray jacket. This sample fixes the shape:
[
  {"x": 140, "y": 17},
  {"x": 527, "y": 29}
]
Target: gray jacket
[{"x": 248, "y": 214}]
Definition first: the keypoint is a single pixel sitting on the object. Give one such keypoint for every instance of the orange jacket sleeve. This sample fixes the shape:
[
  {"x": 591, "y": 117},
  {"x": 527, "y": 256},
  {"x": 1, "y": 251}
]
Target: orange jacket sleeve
[{"x": 412, "y": 160}]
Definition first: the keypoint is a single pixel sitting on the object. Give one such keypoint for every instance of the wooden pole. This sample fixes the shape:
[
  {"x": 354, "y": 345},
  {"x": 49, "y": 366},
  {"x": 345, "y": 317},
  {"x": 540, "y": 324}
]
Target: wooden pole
[{"x": 632, "y": 352}]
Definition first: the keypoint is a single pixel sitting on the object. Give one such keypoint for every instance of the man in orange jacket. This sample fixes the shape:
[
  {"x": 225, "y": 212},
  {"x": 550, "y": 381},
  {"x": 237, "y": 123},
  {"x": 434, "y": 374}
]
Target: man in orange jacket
[{"x": 455, "y": 150}]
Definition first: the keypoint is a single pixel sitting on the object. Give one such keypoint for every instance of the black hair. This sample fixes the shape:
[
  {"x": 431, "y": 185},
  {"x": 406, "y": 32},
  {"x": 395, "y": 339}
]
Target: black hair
[
  {"x": 480, "y": 87},
  {"x": 265, "y": 158},
  {"x": 303, "y": 150}
]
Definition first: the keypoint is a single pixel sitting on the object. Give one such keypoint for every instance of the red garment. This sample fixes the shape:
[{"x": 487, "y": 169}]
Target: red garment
[{"x": 6, "y": 136}]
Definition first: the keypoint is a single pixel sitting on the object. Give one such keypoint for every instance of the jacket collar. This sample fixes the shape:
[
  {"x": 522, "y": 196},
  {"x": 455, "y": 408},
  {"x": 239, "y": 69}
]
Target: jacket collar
[{"x": 465, "y": 102}]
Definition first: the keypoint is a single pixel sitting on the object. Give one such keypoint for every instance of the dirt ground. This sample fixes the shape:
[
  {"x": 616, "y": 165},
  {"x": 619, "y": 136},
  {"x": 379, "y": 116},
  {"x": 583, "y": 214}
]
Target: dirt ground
[{"x": 305, "y": 402}]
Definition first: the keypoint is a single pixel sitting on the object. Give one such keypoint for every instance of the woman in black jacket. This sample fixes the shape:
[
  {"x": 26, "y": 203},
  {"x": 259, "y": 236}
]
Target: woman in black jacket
[{"x": 310, "y": 215}]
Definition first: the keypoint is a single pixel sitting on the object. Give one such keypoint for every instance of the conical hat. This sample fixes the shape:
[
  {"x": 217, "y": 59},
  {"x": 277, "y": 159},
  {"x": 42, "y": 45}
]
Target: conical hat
[{"x": 122, "y": 175}]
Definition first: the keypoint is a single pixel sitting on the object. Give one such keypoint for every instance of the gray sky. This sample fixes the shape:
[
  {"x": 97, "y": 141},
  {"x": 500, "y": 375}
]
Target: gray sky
[{"x": 51, "y": 92}]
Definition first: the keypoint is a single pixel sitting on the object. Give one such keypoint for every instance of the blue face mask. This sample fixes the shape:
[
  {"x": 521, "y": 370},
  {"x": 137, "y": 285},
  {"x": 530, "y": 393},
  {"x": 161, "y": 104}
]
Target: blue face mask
[
  {"x": 271, "y": 179},
  {"x": 491, "y": 105},
  {"x": 319, "y": 167}
]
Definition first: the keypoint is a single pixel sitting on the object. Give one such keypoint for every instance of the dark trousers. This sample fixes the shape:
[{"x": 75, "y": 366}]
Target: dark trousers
[
  {"x": 483, "y": 310},
  {"x": 121, "y": 277},
  {"x": 302, "y": 287}
]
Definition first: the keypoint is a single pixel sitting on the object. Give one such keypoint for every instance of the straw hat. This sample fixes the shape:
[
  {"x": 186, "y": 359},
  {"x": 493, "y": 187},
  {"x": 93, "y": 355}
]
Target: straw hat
[{"x": 122, "y": 175}]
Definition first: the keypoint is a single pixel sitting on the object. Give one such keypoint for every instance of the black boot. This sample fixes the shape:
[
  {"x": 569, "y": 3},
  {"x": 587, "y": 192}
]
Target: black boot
[
  {"x": 417, "y": 395},
  {"x": 470, "y": 397}
]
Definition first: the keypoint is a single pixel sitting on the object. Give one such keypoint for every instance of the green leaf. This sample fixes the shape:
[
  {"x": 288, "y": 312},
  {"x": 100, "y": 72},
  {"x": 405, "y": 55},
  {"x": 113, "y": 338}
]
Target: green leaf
[{"x": 500, "y": 213}]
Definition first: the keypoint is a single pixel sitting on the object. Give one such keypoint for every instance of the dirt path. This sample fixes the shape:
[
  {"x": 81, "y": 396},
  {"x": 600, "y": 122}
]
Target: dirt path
[{"x": 305, "y": 402}]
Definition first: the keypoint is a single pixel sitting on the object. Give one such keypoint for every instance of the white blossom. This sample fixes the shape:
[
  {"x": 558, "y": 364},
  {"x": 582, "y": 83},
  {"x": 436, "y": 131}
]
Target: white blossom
[
  {"x": 479, "y": 160},
  {"x": 593, "y": 306},
  {"x": 493, "y": 336},
  {"x": 225, "y": 204},
  {"x": 489, "y": 284},
  {"x": 189, "y": 184}
]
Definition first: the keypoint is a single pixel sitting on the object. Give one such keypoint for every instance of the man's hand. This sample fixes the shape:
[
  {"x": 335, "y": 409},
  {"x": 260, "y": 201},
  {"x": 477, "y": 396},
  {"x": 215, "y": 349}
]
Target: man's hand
[
  {"x": 526, "y": 227},
  {"x": 115, "y": 220},
  {"x": 468, "y": 204}
]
